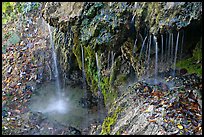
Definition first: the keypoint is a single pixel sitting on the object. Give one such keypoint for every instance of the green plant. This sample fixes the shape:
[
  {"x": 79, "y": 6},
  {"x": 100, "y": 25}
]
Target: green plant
[
  {"x": 110, "y": 121},
  {"x": 194, "y": 63},
  {"x": 7, "y": 11}
]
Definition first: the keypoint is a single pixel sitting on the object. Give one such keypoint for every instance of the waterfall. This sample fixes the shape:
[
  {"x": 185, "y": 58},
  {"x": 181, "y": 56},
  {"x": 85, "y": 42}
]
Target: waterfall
[
  {"x": 156, "y": 59},
  {"x": 58, "y": 91},
  {"x": 148, "y": 71},
  {"x": 142, "y": 48},
  {"x": 175, "y": 54}
]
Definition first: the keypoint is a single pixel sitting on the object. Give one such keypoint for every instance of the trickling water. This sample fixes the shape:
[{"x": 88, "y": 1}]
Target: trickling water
[
  {"x": 134, "y": 46},
  {"x": 55, "y": 63},
  {"x": 146, "y": 54},
  {"x": 169, "y": 48},
  {"x": 150, "y": 40},
  {"x": 142, "y": 48},
  {"x": 84, "y": 79},
  {"x": 166, "y": 48},
  {"x": 112, "y": 58},
  {"x": 141, "y": 37},
  {"x": 182, "y": 42},
  {"x": 99, "y": 87},
  {"x": 132, "y": 20},
  {"x": 172, "y": 47},
  {"x": 83, "y": 71},
  {"x": 135, "y": 5},
  {"x": 156, "y": 59},
  {"x": 162, "y": 42},
  {"x": 175, "y": 54},
  {"x": 110, "y": 4},
  {"x": 108, "y": 67}
]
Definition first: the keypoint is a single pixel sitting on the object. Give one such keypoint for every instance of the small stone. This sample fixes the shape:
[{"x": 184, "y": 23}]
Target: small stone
[
  {"x": 9, "y": 70},
  {"x": 24, "y": 48}
]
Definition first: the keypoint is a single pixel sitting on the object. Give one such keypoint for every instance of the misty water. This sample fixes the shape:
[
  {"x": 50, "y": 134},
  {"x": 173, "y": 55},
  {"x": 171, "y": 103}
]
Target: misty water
[{"x": 67, "y": 110}]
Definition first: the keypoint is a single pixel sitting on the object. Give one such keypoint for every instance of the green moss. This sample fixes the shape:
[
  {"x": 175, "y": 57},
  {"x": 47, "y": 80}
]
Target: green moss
[
  {"x": 197, "y": 52},
  {"x": 110, "y": 121},
  {"x": 120, "y": 79},
  {"x": 77, "y": 50},
  {"x": 190, "y": 66},
  {"x": 193, "y": 64}
]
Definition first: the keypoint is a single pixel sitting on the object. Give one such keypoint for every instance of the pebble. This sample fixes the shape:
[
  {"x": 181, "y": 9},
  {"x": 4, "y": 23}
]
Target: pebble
[
  {"x": 24, "y": 48},
  {"x": 9, "y": 70}
]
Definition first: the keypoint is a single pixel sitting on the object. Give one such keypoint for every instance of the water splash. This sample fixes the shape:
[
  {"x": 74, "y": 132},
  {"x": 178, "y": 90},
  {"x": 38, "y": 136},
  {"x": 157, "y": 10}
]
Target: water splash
[{"x": 177, "y": 41}]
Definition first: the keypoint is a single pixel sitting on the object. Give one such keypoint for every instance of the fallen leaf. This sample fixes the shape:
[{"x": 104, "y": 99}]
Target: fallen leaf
[
  {"x": 180, "y": 126},
  {"x": 152, "y": 120}
]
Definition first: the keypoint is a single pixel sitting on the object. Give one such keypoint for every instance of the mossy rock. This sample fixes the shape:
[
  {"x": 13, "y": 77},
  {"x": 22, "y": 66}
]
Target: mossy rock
[{"x": 110, "y": 121}]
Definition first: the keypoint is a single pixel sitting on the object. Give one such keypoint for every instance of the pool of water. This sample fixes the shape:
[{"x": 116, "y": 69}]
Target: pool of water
[{"x": 65, "y": 109}]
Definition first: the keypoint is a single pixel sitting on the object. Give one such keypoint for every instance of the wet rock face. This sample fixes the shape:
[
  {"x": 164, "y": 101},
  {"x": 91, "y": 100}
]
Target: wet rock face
[
  {"x": 59, "y": 12},
  {"x": 166, "y": 15},
  {"x": 105, "y": 27}
]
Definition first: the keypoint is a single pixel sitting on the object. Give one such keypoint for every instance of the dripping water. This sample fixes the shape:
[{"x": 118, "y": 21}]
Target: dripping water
[
  {"x": 142, "y": 48},
  {"x": 108, "y": 67},
  {"x": 134, "y": 47},
  {"x": 162, "y": 44},
  {"x": 169, "y": 48},
  {"x": 112, "y": 58},
  {"x": 182, "y": 42},
  {"x": 172, "y": 47},
  {"x": 83, "y": 72},
  {"x": 55, "y": 63},
  {"x": 60, "y": 104},
  {"x": 148, "y": 64},
  {"x": 166, "y": 48},
  {"x": 99, "y": 88},
  {"x": 177, "y": 41},
  {"x": 156, "y": 59},
  {"x": 84, "y": 80}
]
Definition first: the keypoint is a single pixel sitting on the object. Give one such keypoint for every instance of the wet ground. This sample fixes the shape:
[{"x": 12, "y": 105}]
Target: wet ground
[{"x": 65, "y": 109}]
